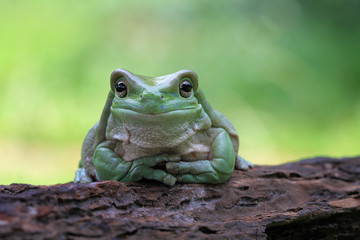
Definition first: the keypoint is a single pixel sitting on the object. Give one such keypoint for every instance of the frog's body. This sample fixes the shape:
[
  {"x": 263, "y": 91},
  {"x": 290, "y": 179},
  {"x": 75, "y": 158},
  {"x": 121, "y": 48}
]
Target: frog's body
[{"x": 159, "y": 128}]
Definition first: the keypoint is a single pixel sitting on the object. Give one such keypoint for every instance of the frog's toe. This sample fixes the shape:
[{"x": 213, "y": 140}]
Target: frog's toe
[
  {"x": 81, "y": 176},
  {"x": 169, "y": 180},
  {"x": 174, "y": 158},
  {"x": 243, "y": 164},
  {"x": 173, "y": 167},
  {"x": 201, "y": 178}
]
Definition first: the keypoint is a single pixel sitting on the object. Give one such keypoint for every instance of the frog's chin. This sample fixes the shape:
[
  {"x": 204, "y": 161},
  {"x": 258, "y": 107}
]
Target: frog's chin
[{"x": 166, "y": 129}]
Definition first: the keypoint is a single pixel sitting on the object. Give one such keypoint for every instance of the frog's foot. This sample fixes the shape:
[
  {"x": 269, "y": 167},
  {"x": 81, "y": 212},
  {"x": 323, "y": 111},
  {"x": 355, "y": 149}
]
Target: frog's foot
[
  {"x": 81, "y": 176},
  {"x": 140, "y": 171},
  {"x": 201, "y": 171},
  {"x": 216, "y": 170},
  {"x": 110, "y": 166},
  {"x": 200, "y": 178},
  {"x": 242, "y": 164}
]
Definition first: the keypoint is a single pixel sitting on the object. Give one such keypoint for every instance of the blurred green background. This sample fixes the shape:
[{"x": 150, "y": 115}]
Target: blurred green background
[{"x": 285, "y": 72}]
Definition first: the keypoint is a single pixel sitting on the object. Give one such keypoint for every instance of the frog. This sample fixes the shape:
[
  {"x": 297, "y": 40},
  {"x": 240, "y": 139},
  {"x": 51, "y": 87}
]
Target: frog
[{"x": 162, "y": 129}]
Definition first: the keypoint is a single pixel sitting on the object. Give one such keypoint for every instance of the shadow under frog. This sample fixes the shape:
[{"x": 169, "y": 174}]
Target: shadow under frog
[{"x": 159, "y": 128}]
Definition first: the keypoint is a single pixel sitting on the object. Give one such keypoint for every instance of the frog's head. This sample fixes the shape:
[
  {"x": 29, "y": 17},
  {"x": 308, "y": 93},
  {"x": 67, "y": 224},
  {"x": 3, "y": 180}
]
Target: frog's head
[
  {"x": 154, "y": 95},
  {"x": 155, "y": 111}
]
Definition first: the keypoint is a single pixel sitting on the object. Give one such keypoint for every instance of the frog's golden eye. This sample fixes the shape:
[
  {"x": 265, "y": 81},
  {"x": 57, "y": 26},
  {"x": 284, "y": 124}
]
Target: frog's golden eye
[
  {"x": 121, "y": 89},
  {"x": 185, "y": 88}
]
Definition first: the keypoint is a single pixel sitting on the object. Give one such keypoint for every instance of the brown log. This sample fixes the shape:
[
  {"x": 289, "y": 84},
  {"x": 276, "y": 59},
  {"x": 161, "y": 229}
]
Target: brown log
[{"x": 310, "y": 199}]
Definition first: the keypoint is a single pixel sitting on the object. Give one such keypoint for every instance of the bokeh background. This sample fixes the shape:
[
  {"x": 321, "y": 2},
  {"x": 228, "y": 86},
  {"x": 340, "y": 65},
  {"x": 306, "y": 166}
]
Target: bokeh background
[{"x": 285, "y": 72}]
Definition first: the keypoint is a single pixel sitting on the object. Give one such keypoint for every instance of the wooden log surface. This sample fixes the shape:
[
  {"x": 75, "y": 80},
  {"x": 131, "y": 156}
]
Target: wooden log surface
[{"x": 311, "y": 199}]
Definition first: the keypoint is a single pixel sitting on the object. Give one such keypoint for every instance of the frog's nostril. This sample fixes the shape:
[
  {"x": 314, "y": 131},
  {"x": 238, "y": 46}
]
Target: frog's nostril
[{"x": 151, "y": 96}]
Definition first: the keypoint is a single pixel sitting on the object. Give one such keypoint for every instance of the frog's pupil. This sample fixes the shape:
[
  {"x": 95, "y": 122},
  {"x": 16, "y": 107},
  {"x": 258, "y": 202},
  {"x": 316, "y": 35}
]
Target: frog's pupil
[
  {"x": 186, "y": 87},
  {"x": 120, "y": 87}
]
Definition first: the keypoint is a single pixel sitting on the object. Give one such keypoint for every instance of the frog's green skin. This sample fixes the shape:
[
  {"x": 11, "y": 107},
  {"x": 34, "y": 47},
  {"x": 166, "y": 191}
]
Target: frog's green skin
[{"x": 155, "y": 133}]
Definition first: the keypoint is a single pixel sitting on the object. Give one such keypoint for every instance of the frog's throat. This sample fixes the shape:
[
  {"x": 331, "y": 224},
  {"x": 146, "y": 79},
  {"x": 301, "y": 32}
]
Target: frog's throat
[{"x": 156, "y": 130}]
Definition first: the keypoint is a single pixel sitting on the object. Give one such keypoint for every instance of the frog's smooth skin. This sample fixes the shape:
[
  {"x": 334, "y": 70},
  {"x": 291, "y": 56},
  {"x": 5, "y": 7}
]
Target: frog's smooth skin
[{"x": 159, "y": 128}]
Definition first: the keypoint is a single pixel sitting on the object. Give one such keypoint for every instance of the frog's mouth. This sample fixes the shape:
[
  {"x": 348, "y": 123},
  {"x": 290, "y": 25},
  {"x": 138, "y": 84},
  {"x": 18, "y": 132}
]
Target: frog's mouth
[
  {"x": 166, "y": 129},
  {"x": 175, "y": 115}
]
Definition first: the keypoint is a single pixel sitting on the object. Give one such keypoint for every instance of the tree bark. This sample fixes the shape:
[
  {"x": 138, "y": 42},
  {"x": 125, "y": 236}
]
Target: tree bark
[{"x": 310, "y": 199}]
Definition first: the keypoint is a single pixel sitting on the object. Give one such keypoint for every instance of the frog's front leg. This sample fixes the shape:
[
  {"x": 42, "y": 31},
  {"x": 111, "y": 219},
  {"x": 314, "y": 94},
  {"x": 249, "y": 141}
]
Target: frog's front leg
[
  {"x": 110, "y": 166},
  {"x": 216, "y": 170}
]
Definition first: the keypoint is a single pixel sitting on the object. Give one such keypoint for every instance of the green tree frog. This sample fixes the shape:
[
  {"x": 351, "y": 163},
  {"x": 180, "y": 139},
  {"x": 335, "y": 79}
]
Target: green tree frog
[{"x": 159, "y": 128}]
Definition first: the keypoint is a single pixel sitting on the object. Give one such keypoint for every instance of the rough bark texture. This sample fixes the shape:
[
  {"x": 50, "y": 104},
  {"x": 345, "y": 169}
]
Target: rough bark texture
[{"x": 311, "y": 199}]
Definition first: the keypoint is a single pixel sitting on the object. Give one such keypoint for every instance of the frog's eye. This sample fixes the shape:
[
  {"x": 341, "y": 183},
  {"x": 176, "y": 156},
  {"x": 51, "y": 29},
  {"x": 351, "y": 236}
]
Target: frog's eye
[
  {"x": 185, "y": 88},
  {"x": 121, "y": 89}
]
